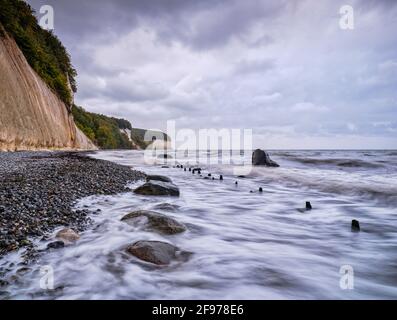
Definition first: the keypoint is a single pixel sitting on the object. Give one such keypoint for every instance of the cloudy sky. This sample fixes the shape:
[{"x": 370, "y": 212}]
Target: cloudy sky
[{"x": 285, "y": 69}]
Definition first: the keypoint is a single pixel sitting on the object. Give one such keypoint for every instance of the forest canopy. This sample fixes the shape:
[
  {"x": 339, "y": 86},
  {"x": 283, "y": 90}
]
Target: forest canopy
[{"x": 102, "y": 130}]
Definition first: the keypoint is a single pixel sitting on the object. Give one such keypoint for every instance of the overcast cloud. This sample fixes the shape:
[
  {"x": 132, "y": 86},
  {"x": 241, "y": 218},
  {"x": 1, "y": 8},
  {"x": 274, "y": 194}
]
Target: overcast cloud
[{"x": 282, "y": 68}]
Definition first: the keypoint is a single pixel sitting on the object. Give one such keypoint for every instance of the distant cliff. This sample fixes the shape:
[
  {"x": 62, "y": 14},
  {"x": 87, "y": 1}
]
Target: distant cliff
[
  {"x": 113, "y": 133},
  {"x": 105, "y": 132}
]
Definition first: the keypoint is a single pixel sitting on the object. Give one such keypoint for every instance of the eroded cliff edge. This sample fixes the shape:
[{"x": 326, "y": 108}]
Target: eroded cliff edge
[{"x": 32, "y": 117}]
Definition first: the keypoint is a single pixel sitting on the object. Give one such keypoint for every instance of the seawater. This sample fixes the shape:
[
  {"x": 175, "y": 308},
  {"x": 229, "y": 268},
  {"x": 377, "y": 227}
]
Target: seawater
[{"x": 246, "y": 245}]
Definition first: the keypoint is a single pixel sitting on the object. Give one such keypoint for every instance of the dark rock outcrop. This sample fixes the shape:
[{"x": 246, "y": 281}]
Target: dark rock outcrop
[
  {"x": 155, "y": 221},
  {"x": 262, "y": 158},
  {"x": 157, "y": 188}
]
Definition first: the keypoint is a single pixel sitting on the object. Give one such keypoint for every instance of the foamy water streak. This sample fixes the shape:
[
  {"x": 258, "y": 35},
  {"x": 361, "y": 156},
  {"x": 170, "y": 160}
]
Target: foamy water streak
[{"x": 246, "y": 245}]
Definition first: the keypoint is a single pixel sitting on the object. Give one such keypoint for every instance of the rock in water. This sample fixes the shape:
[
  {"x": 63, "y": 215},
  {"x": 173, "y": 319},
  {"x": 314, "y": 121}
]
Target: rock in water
[
  {"x": 157, "y": 252},
  {"x": 68, "y": 235},
  {"x": 355, "y": 225},
  {"x": 158, "y": 178},
  {"x": 158, "y": 188},
  {"x": 166, "y": 207},
  {"x": 308, "y": 205},
  {"x": 155, "y": 221},
  {"x": 262, "y": 158},
  {"x": 55, "y": 245}
]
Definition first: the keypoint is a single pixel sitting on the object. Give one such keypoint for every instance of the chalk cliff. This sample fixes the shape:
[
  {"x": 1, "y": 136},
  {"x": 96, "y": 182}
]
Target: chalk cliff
[{"x": 32, "y": 117}]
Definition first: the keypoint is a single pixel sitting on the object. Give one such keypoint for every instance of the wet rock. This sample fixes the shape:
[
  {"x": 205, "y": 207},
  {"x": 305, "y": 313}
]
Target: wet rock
[
  {"x": 68, "y": 235},
  {"x": 260, "y": 189},
  {"x": 308, "y": 205},
  {"x": 355, "y": 225},
  {"x": 3, "y": 283},
  {"x": 262, "y": 158},
  {"x": 157, "y": 188},
  {"x": 155, "y": 221},
  {"x": 167, "y": 207},
  {"x": 23, "y": 270},
  {"x": 221, "y": 177},
  {"x": 158, "y": 178},
  {"x": 156, "y": 252},
  {"x": 55, "y": 245}
]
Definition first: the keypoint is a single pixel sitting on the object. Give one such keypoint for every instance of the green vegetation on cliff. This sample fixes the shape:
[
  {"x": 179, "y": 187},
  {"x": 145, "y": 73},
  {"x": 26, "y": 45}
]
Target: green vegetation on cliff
[
  {"x": 102, "y": 130},
  {"x": 41, "y": 48}
]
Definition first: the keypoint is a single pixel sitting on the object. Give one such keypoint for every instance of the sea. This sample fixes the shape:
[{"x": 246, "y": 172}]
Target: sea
[{"x": 245, "y": 244}]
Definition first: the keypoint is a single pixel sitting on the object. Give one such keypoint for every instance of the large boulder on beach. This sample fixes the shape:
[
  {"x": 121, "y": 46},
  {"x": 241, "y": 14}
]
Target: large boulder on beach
[
  {"x": 154, "y": 221},
  {"x": 158, "y": 188},
  {"x": 158, "y": 178},
  {"x": 262, "y": 158},
  {"x": 156, "y": 252}
]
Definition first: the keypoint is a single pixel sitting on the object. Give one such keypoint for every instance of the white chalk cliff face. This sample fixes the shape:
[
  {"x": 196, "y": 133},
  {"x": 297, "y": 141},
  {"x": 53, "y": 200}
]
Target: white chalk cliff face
[{"x": 32, "y": 117}]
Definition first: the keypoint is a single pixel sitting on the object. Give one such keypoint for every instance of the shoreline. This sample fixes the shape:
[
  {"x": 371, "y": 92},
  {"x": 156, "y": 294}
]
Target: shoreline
[{"x": 39, "y": 189}]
